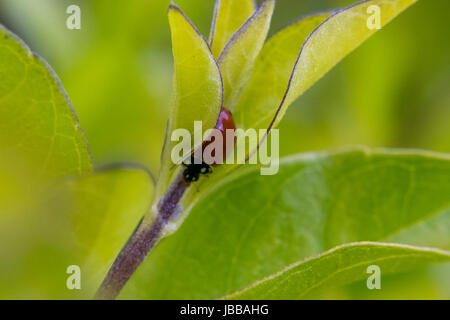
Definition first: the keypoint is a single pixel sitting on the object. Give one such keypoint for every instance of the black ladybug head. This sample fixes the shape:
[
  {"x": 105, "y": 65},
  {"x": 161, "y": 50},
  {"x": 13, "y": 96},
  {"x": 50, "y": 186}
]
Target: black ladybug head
[{"x": 193, "y": 171}]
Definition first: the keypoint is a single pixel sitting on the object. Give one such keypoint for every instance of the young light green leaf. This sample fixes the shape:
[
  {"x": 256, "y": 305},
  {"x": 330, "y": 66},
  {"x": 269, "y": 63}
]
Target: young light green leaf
[
  {"x": 198, "y": 88},
  {"x": 229, "y": 16},
  {"x": 270, "y": 76},
  {"x": 238, "y": 57},
  {"x": 292, "y": 69},
  {"x": 340, "y": 266},
  {"x": 198, "y": 83},
  {"x": 250, "y": 226},
  {"x": 37, "y": 122}
]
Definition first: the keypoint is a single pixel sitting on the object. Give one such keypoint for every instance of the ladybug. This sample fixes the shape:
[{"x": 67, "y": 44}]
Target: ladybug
[{"x": 192, "y": 170}]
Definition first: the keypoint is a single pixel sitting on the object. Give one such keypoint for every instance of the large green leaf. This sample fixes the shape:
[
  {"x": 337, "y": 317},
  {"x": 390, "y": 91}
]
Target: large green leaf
[
  {"x": 198, "y": 92},
  {"x": 104, "y": 209},
  {"x": 238, "y": 57},
  {"x": 83, "y": 221},
  {"x": 114, "y": 59},
  {"x": 38, "y": 126},
  {"x": 40, "y": 142},
  {"x": 250, "y": 226},
  {"x": 289, "y": 64},
  {"x": 339, "y": 266},
  {"x": 229, "y": 16}
]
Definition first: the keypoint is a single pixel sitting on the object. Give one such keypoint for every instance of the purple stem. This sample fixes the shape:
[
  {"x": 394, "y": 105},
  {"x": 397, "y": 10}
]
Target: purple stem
[{"x": 141, "y": 242}]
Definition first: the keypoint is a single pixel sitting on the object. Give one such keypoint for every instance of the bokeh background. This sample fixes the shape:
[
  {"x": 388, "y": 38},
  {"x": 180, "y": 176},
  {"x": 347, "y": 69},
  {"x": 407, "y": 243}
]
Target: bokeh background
[{"x": 394, "y": 91}]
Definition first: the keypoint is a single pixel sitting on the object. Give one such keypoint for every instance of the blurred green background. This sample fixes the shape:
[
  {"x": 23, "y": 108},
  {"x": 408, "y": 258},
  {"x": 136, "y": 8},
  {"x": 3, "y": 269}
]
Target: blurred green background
[{"x": 394, "y": 91}]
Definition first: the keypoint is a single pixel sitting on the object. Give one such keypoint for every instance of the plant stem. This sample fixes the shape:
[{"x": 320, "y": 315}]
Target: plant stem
[{"x": 141, "y": 242}]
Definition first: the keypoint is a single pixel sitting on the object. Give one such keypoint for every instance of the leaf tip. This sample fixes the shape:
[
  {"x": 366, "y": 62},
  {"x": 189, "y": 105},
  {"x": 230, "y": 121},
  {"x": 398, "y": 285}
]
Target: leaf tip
[{"x": 172, "y": 7}]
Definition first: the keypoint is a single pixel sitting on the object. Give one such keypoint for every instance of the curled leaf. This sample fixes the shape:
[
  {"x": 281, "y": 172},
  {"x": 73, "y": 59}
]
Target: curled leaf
[
  {"x": 198, "y": 87},
  {"x": 289, "y": 61},
  {"x": 238, "y": 57},
  {"x": 229, "y": 16}
]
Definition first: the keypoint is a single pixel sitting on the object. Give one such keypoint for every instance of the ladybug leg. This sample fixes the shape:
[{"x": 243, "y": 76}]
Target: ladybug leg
[
  {"x": 187, "y": 176},
  {"x": 195, "y": 177},
  {"x": 205, "y": 168}
]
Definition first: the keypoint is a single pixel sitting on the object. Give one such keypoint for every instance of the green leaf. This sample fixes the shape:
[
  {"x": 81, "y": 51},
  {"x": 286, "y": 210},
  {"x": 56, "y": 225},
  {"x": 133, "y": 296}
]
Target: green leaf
[
  {"x": 40, "y": 142},
  {"x": 198, "y": 92},
  {"x": 38, "y": 126},
  {"x": 104, "y": 209},
  {"x": 229, "y": 16},
  {"x": 250, "y": 226},
  {"x": 289, "y": 64},
  {"x": 339, "y": 266},
  {"x": 83, "y": 221},
  {"x": 238, "y": 57}
]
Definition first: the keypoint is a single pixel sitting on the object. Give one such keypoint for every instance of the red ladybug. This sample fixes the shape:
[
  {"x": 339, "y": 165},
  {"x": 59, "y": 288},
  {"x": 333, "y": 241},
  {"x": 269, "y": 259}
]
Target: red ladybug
[{"x": 193, "y": 171}]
